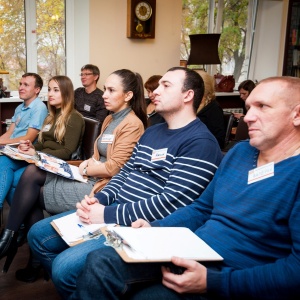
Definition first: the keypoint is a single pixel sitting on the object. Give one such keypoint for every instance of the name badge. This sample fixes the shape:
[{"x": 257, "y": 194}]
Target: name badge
[
  {"x": 87, "y": 107},
  {"x": 159, "y": 154},
  {"x": 261, "y": 173},
  {"x": 46, "y": 128},
  {"x": 107, "y": 138}
]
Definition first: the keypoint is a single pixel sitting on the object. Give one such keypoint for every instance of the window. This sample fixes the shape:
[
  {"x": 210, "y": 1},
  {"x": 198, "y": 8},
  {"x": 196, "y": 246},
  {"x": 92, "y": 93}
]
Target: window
[
  {"x": 234, "y": 19},
  {"x": 32, "y": 35}
]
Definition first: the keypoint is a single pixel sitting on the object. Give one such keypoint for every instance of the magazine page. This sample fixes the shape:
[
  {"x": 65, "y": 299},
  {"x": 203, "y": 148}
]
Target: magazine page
[
  {"x": 13, "y": 152},
  {"x": 58, "y": 166}
]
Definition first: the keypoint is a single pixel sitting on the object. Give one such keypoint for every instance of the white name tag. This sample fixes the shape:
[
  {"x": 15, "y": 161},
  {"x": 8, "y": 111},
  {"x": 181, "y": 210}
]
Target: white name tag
[
  {"x": 46, "y": 128},
  {"x": 107, "y": 138},
  {"x": 87, "y": 107},
  {"x": 261, "y": 173},
  {"x": 159, "y": 154}
]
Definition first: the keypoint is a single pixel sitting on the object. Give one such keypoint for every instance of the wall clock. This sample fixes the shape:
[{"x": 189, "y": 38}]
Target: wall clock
[{"x": 141, "y": 19}]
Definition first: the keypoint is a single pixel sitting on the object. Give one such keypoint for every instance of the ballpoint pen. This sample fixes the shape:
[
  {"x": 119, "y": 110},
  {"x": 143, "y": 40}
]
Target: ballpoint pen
[
  {"x": 115, "y": 240},
  {"x": 96, "y": 161},
  {"x": 84, "y": 229}
]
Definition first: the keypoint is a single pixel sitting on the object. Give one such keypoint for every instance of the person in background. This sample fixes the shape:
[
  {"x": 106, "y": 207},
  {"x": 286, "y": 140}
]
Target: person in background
[
  {"x": 124, "y": 96},
  {"x": 245, "y": 88},
  {"x": 26, "y": 124},
  {"x": 150, "y": 85},
  {"x": 249, "y": 214},
  {"x": 171, "y": 165},
  {"x": 60, "y": 136},
  {"x": 209, "y": 111},
  {"x": 88, "y": 99}
]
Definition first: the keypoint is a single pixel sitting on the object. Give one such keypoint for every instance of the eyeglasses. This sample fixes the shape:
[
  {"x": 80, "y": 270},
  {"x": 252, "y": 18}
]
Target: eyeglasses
[{"x": 85, "y": 74}]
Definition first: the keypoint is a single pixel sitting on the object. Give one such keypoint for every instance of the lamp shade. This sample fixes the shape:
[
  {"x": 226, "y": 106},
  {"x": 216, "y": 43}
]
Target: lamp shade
[{"x": 204, "y": 49}]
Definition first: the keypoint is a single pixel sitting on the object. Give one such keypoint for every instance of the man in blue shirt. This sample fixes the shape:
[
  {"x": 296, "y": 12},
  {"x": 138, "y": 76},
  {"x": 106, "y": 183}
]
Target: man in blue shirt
[
  {"x": 249, "y": 214},
  {"x": 27, "y": 122},
  {"x": 29, "y": 116}
]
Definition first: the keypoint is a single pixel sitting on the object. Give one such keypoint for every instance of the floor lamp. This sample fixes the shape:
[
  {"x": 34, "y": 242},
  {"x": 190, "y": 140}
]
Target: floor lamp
[{"x": 204, "y": 49}]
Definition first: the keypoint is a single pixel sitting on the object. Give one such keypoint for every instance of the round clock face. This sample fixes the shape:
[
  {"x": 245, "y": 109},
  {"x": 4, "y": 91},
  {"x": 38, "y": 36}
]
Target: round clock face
[{"x": 143, "y": 11}]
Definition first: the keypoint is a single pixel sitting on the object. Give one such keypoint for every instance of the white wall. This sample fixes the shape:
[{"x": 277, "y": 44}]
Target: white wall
[
  {"x": 78, "y": 38},
  {"x": 110, "y": 49},
  {"x": 98, "y": 36},
  {"x": 269, "y": 39}
]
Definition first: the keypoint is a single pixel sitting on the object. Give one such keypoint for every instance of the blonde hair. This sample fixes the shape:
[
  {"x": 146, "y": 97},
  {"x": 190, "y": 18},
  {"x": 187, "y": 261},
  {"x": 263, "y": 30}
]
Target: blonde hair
[
  {"x": 209, "y": 89},
  {"x": 67, "y": 105}
]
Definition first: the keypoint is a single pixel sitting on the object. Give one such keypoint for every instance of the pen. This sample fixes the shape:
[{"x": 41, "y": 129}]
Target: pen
[
  {"x": 96, "y": 161},
  {"x": 125, "y": 243},
  {"x": 83, "y": 228}
]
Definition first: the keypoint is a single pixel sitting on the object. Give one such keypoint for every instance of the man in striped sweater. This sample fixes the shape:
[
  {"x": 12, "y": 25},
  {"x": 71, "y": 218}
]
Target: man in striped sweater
[{"x": 171, "y": 165}]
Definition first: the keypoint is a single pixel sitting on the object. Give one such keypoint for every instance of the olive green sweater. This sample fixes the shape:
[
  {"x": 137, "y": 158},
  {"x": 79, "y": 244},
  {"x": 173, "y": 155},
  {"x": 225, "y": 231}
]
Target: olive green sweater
[{"x": 71, "y": 140}]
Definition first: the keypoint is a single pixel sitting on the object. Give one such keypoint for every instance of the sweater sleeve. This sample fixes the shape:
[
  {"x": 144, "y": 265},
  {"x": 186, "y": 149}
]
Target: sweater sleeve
[
  {"x": 109, "y": 194},
  {"x": 276, "y": 280},
  {"x": 195, "y": 215}
]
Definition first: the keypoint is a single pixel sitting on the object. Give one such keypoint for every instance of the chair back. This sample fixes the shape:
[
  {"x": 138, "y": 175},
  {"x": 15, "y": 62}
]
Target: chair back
[
  {"x": 228, "y": 123},
  {"x": 91, "y": 132},
  {"x": 241, "y": 130}
]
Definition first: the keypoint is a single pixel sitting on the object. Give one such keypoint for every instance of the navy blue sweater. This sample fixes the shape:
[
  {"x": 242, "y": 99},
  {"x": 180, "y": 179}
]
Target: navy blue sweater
[{"x": 255, "y": 227}]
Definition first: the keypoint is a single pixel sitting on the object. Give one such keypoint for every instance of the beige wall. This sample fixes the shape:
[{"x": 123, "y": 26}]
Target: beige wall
[{"x": 110, "y": 49}]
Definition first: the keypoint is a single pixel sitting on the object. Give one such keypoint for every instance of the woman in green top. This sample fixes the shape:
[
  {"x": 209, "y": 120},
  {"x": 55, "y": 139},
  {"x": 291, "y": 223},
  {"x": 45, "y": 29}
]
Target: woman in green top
[{"x": 63, "y": 127}]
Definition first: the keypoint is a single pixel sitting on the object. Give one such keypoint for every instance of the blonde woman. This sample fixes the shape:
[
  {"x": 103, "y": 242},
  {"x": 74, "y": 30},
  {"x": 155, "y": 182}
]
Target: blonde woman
[{"x": 209, "y": 111}]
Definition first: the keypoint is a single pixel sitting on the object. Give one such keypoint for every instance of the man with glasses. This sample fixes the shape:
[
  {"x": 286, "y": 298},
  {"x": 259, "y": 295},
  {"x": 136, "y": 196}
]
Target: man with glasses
[{"x": 88, "y": 99}]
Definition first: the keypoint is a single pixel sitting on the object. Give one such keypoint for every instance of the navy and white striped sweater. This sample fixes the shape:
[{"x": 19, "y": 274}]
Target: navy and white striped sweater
[{"x": 154, "y": 189}]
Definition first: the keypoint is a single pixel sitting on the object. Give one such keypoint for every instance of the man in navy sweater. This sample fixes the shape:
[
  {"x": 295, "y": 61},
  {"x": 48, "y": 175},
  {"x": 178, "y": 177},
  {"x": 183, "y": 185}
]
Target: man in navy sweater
[
  {"x": 249, "y": 214},
  {"x": 170, "y": 166}
]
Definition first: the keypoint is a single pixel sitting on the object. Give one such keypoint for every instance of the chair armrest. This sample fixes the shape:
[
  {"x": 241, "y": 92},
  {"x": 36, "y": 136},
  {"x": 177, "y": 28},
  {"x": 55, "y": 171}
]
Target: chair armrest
[{"x": 74, "y": 162}]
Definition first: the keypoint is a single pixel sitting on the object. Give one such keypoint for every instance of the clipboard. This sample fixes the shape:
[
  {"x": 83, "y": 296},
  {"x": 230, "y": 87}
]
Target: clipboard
[
  {"x": 71, "y": 244},
  {"x": 73, "y": 231},
  {"x": 158, "y": 244}
]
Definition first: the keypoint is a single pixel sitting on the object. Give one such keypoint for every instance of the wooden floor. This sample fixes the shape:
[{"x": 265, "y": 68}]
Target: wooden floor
[{"x": 12, "y": 289}]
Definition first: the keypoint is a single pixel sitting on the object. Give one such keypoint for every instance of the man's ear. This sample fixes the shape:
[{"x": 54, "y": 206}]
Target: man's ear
[
  {"x": 189, "y": 96},
  {"x": 296, "y": 115}
]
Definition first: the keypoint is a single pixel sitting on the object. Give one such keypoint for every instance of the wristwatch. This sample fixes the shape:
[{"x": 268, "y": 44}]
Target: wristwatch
[{"x": 84, "y": 171}]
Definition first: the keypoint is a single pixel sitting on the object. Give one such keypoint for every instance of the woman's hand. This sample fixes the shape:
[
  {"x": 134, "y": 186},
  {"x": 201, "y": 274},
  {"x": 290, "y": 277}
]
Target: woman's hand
[
  {"x": 93, "y": 162},
  {"x": 83, "y": 165},
  {"x": 26, "y": 147}
]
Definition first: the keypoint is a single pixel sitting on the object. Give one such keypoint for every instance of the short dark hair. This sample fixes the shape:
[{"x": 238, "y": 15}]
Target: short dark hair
[
  {"x": 247, "y": 85},
  {"x": 152, "y": 83},
  {"x": 38, "y": 79},
  {"x": 94, "y": 69},
  {"x": 192, "y": 81}
]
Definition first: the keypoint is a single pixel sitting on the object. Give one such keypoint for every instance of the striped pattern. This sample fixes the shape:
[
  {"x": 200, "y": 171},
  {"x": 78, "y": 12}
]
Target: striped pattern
[{"x": 154, "y": 189}]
